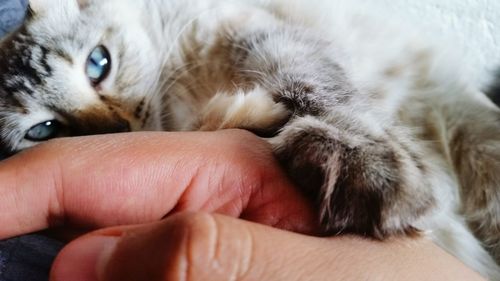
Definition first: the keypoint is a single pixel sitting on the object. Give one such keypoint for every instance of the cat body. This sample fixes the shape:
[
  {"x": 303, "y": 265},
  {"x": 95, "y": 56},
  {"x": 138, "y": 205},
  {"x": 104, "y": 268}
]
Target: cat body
[{"x": 370, "y": 120}]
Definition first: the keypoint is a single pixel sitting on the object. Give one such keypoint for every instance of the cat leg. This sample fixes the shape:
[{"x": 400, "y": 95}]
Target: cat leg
[{"x": 365, "y": 173}]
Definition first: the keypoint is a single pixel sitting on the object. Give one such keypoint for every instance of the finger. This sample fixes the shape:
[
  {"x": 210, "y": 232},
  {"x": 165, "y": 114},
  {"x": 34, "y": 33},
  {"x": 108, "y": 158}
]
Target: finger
[
  {"x": 99, "y": 181},
  {"x": 212, "y": 247}
]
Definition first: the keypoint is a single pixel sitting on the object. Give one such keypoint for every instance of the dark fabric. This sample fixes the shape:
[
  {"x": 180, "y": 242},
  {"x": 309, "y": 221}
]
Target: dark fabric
[
  {"x": 26, "y": 258},
  {"x": 11, "y": 14},
  {"x": 494, "y": 89}
]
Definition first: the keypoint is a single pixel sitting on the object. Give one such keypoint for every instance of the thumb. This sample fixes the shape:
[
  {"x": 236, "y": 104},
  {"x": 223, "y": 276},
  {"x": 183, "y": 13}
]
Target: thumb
[
  {"x": 184, "y": 247},
  {"x": 213, "y": 247}
]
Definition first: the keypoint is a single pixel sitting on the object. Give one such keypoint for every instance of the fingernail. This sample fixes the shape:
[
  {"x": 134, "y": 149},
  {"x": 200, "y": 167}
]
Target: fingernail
[{"x": 84, "y": 260}]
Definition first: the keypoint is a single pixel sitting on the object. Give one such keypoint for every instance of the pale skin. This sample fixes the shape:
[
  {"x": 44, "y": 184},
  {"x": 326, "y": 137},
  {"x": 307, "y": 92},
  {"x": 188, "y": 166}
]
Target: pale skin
[{"x": 188, "y": 199}]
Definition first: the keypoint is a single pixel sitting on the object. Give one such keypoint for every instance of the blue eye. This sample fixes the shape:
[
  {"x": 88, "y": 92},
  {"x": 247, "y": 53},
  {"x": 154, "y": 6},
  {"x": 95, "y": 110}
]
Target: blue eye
[
  {"x": 98, "y": 65},
  {"x": 43, "y": 131}
]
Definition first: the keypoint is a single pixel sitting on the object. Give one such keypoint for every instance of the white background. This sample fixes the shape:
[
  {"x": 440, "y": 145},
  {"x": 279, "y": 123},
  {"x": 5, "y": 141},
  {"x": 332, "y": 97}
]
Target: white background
[{"x": 473, "y": 26}]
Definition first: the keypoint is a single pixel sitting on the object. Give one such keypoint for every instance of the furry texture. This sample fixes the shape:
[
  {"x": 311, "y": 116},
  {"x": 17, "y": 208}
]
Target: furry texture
[{"x": 372, "y": 122}]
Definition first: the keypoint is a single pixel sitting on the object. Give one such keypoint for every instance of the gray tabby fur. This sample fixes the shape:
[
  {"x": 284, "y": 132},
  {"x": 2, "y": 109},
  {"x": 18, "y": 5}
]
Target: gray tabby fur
[{"x": 381, "y": 130}]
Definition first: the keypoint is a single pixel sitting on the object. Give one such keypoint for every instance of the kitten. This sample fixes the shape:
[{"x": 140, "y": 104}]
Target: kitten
[{"x": 373, "y": 123}]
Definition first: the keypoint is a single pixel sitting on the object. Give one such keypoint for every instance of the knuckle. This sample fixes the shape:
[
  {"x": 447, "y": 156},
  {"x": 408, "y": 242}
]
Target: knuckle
[
  {"x": 210, "y": 249},
  {"x": 191, "y": 237}
]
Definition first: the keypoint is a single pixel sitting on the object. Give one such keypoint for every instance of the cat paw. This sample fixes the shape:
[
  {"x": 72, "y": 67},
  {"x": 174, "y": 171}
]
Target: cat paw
[
  {"x": 254, "y": 110},
  {"x": 370, "y": 187}
]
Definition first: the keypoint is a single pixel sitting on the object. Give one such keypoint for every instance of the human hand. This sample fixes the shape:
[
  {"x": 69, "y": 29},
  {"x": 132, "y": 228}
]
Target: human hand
[
  {"x": 100, "y": 181},
  {"x": 213, "y": 247}
]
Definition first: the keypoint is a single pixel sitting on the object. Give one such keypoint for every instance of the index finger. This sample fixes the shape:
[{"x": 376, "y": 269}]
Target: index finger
[{"x": 100, "y": 181}]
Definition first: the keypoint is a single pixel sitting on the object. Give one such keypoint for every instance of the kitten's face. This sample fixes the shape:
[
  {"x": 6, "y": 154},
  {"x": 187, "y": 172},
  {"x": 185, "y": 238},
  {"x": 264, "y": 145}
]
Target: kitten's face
[{"x": 73, "y": 70}]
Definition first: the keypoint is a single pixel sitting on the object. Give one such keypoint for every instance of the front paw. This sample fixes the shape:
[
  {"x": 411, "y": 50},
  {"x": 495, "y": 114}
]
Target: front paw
[
  {"x": 254, "y": 110},
  {"x": 363, "y": 186}
]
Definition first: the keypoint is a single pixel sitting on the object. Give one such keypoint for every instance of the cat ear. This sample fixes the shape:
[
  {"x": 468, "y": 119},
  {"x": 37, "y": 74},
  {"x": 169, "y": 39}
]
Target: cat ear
[{"x": 42, "y": 7}]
